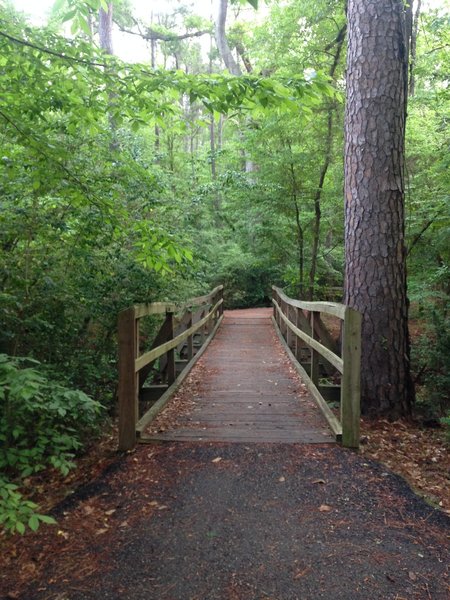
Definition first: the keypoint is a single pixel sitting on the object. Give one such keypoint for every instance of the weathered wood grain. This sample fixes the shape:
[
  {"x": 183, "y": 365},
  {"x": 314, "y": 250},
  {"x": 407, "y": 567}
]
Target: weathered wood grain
[{"x": 251, "y": 396}]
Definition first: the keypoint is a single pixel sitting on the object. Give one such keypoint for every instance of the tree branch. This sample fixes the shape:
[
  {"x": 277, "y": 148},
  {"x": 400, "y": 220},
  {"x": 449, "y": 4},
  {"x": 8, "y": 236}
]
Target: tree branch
[
  {"x": 51, "y": 52},
  {"x": 417, "y": 237},
  {"x": 153, "y": 35}
]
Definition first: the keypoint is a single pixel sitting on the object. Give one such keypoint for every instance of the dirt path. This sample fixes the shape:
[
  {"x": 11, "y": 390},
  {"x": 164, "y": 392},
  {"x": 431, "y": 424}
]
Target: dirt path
[
  {"x": 247, "y": 390},
  {"x": 207, "y": 521}
]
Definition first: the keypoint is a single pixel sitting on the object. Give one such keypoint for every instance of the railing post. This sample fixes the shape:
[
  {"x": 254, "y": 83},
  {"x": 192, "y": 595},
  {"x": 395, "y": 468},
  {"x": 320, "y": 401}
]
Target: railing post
[
  {"x": 274, "y": 297},
  {"x": 350, "y": 383},
  {"x": 283, "y": 326},
  {"x": 289, "y": 333},
  {"x": 221, "y": 305},
  {"x": 314, "y": 354},
  {"x": 171, "y": 374},
  {"x": 298, "y": 343},
  {"x": 128, "y": 379},
  {"x": 190, "y": 340}
]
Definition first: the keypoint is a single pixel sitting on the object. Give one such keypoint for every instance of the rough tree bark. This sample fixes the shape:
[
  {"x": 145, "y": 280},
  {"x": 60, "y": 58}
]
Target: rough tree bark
[{"x": 375, "y": 281}]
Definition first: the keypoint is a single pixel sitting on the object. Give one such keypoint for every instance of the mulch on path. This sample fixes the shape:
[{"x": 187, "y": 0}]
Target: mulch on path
[{"x": 204, "y": 521}]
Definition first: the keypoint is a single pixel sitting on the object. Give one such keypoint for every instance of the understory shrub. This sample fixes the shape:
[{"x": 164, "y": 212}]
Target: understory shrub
[
  {"x": 431, "y": 358},
  {"x": 42, "y": 424}
]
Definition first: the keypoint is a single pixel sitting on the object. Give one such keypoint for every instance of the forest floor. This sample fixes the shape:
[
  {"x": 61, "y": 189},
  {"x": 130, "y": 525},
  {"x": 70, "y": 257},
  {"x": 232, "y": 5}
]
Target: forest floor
[
  {"x": 224, "y": 521},
  {"x": 110, "y": 495}
]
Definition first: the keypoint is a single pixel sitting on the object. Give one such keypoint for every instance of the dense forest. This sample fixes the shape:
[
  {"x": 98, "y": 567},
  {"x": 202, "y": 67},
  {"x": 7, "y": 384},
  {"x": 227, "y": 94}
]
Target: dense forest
[{"x": 218, "y": 158}]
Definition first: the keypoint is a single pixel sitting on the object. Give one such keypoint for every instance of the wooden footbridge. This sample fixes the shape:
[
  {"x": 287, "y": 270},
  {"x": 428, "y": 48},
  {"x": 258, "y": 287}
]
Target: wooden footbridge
[{"x": 249, "y": 387}]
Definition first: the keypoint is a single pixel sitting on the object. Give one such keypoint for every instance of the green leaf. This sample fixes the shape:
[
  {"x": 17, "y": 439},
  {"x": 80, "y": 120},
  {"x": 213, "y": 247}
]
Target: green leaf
[
  {"x": 47, "y": 519},
  {"x": 33, "y": 523},
  {"x": 20, "y": 527}
]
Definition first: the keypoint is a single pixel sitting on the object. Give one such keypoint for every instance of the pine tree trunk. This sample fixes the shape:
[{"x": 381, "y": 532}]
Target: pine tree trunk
[{"x": 375, "y": 282}]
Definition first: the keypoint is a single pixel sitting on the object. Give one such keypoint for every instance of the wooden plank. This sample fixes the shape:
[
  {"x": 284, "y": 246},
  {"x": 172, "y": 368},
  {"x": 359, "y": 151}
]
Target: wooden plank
[
  {"x": 328, "y": 414},
  {"x": 324, "y": 335},
  {"x": 159, "y": 308},
  {"x": 160, "y": 404},
  {"x": 202, "y": 299},
  {"x": 128, "y": 385},
  {"x": 164, "y": 348},
  {"x": 154, "y": 308},
  {"x": 350, "y": 385},
  {"x": 242, "y": 436},
  {"x": 161, "y": 337},
  {"x": 152, "y": 393},
  {"x": 329, "y": 308},
  {"x": 336, "y": 361}
]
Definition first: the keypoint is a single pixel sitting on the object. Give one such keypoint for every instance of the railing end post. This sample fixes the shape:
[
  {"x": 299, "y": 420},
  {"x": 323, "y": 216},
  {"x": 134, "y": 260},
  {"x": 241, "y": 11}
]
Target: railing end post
[{"x": 351, "y": 378}]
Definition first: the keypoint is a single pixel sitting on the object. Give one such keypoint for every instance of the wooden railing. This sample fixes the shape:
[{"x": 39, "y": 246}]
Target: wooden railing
[
  {"x": 316, "y": 355},
  {"x": 187, "y": 327}
]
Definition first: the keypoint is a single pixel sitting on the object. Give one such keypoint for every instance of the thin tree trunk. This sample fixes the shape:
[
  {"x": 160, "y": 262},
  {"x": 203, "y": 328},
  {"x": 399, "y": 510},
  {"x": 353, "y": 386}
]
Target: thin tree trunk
[
  {"x": 317, "y": 201},
  {"x": 105, "y": 23},
  {"x": 221, "y": 39},
  {"x": 375, "y": 255},
  {"x": 338, "y": 42},
  {"x": 153, "y": 63},
  {"x": 413, "y": 49},
  {"x": 231, "y": 64},
  {"x": 298, "y": 224}
]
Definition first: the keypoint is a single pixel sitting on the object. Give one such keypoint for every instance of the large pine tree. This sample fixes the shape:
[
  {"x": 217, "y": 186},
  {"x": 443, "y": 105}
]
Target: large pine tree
[{"x": 374, "y": 200}]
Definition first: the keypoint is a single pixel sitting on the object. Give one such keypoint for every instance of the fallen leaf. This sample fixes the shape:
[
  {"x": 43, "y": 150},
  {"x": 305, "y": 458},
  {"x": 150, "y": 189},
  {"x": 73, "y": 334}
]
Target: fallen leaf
[
  {"x": 300, "y": 574},
  {"x": 319, "y": 481},
  {"x": 325, "y": 508},
  {"x": 110, "y": 512}
]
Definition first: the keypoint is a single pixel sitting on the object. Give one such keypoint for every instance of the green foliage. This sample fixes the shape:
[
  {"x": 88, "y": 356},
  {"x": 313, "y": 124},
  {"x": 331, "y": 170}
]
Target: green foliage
[
  {"x": 431, "y": 356},
  {"x": 16, "y": 513},
  {"x": 247, "y": 281},
  {"x": 42, "y": 423}
]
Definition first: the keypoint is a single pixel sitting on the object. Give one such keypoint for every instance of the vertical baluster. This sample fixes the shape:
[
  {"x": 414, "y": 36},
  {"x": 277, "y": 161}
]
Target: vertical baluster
[{"x": 314, "y": 354}]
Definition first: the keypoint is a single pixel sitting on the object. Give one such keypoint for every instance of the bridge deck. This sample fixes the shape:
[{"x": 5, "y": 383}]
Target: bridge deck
[{"x": 245, "y": 391}]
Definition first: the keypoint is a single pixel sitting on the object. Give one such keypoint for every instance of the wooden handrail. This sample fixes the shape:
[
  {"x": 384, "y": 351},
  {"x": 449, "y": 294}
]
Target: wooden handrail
[
  {"x": 348, "y": 364},
  {"x": 173, "y": 333},
  {"x": 329, "y": 308},
  {"x": 143, "y": 360},
  {"x": 335, "y": 360}
]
